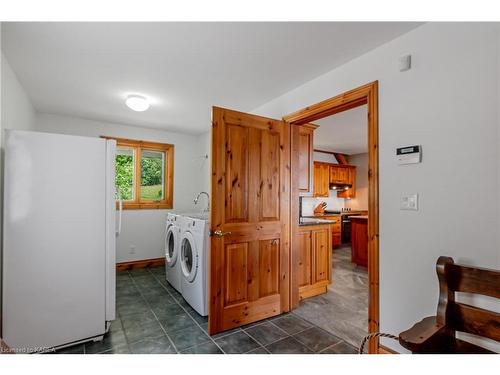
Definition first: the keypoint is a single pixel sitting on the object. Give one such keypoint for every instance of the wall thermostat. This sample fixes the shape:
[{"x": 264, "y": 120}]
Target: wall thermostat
[{"x": 409, "y": 155}]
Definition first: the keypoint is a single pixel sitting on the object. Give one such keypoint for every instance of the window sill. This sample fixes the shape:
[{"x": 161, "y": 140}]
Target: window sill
[{"x": 147, "y": 206}]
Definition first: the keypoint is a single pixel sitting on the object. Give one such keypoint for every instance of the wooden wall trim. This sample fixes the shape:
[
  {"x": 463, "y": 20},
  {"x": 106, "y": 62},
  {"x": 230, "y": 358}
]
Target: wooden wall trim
[
  {"x": 155, "y": 262},
  {"x": 366, "y": 94}
]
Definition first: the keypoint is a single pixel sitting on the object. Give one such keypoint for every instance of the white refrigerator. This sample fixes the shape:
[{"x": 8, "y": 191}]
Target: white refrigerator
[{"x": 59, "y": 234}]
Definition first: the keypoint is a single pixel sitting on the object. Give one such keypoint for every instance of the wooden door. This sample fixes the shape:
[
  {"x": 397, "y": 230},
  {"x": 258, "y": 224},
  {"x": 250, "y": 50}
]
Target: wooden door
[
  {"x": 249, "y": 255},
  {"x": 321, "y": 179},
  {"x": 321, "y": 254}
]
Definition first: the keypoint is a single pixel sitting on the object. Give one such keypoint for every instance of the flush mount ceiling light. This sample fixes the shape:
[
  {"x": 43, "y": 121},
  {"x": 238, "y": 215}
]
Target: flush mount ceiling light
[{"x": 137, "y": 103}]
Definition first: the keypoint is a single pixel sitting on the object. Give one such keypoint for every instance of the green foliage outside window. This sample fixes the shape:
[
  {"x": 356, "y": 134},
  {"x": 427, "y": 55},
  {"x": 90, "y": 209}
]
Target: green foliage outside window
[{"x": 125, "y": 176}]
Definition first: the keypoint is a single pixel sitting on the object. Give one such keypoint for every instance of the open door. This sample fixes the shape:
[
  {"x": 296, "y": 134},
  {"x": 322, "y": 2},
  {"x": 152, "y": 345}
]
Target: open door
[{"x": 249, "y": 254}]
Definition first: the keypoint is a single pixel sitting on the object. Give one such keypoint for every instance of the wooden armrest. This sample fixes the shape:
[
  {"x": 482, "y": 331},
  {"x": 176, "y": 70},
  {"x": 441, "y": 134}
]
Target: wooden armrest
[{"x": 426, "y": 336}]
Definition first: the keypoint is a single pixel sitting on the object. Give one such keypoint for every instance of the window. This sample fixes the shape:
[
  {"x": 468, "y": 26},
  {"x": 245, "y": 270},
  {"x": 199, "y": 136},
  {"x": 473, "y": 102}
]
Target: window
[{"x": 144, "y": 174}]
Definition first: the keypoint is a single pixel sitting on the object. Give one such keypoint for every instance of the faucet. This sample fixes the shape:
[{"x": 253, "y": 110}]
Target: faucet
[{"x": 208, "y": 200}]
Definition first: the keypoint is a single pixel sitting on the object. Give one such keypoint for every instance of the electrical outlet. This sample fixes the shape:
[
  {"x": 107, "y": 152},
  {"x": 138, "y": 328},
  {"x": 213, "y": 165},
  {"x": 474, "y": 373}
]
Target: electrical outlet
[
  {"x": 132, "y": 249},
  {"x": 409, "y": 202}
]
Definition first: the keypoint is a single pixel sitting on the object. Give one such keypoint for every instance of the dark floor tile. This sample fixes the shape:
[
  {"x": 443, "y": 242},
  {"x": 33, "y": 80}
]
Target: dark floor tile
[
  {"x": 120, "y": 349},
  {"x": 75, "y": 349},
  {"x": 288, "y": 346},
  {"x": 266, "y": 333},
  {"x": 127, "y": 290},
  {"x": 340, "y": 348},
  {"x": 220, "y": 334},
  {"x": 316, "y": 339},
  {"x": 134, "y": 308},
  {"x": 139, "y": 272},
  {"x": 291, "y": 324},
  {"x": 206, "y": 348},
  {"x": 116, "y": 325},
  {"x": 163, "y": 310},
  {"x": 157, "y": 296},
  {"x": 199, "y": 319},
  {"x": 146, "y": 282},
  {"x": 260, "y": 350},
  {"x": 129, "y": 299},
  {"x": 188, "y": 337},
  {"x": 158, "y": 345},
  {"x": 177, "y": 322},
  {"x": 110, "y": 341},
  {"x": 141, "y": 326},
  {"x": 238, "y": 342}
]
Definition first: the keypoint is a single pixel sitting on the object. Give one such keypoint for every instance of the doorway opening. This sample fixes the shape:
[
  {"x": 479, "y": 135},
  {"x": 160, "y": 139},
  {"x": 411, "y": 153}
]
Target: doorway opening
[{"x": 326, "y": 178}]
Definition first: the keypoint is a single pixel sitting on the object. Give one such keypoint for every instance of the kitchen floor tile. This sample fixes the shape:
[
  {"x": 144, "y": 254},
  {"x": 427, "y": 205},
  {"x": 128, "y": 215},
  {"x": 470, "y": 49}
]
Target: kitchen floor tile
[
  {"x": 238, "y": 342},
  {"x": 177, "y": 322},
  {"x": 158, "y": 345},
  {"x": 206, "y": 348},
  {"x": 188, "y": 337},
  {"x": 340, "y": 348},
  {"x": 266, "y": 333},
  {"x": 110, "y": 341},
  {"x": 291, "y": 324},
  {"x": 288, "y": 346},
  {"x": 316, "y": 339}
]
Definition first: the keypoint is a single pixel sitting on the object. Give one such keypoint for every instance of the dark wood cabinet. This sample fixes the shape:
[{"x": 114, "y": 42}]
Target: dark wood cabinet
[
  {"x": 351, "y": 179},
  {"x": 321, "y": 179},
  {"x": 314, "y": 259},
  {"x": 359, "y": 241}
]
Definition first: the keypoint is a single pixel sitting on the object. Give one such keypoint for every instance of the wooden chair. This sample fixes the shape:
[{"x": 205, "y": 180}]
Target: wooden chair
[{"x": 437, "y": 334}]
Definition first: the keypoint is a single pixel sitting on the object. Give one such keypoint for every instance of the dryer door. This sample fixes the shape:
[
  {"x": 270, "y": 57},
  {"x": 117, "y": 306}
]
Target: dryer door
[
  {"x": 171, "y": 250},
  {"x": 189, "y": 257}
]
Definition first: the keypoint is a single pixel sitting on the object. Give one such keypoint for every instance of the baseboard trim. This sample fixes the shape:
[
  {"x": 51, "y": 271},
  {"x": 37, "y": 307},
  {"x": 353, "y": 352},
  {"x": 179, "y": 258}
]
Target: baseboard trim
[
  {"x": 155, "y": 262},
  {"x": 385, "y": 350}
]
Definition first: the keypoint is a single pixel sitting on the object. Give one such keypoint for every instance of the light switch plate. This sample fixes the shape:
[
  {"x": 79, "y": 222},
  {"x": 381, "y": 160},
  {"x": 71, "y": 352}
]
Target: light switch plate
[{"x": 409, "y": 202}]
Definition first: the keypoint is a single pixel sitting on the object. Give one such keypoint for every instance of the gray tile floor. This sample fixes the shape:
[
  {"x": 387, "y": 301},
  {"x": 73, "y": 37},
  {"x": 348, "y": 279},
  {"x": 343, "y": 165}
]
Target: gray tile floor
[
  {"x": 343, "y": 311},
  {"x": 153, "y": 318}
]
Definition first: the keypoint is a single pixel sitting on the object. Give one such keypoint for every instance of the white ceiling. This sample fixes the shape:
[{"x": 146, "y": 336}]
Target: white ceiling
[
  {"x": 345, "y": 132},
  {"x": 87, "y": 69}
]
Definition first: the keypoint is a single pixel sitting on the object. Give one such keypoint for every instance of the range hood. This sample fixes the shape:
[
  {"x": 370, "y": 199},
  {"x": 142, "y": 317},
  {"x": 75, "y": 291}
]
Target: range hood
[{"x": 340, "y": 187}]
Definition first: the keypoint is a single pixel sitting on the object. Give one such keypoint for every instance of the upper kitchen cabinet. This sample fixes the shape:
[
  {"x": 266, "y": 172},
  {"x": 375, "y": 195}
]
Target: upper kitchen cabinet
[
  {"x": 327, "y": 174},
  {"x": 303, "y": 141},
  {"x": 321, "y": 179},
  {"x": 351, "y": 180}
]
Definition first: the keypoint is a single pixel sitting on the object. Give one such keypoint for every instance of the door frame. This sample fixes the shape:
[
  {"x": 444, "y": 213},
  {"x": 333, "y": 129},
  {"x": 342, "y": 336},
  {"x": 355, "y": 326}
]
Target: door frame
[{"x": 366, "y": 94}]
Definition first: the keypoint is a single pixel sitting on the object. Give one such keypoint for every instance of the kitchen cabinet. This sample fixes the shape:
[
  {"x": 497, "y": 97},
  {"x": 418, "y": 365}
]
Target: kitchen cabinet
[
  {"x": 304, "y": 135},
  {"x": 336, "y": 229},
  {"x": 351, "y": 179},
  {"x": 321, "y": 179},
  {"x": 359, "y": 240},
  {"x": 314, "y": 259},
  {"x": 327, "y": 173}
]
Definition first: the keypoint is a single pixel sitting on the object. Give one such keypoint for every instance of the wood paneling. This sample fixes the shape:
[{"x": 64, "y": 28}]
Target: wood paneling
[
  {"x": 314, "y": 260},
  {"x": 249, "y": 265},
  {"x": 237, "y": 138},
  {"x": 359, "y": 242},
  {"x": 156, "y": 262},
  {"x": 269, "y": 264},
  {"x": 304, "y": 258},
  {"x": 236, "y": 273},
  {"x": 366, "y": 94}
]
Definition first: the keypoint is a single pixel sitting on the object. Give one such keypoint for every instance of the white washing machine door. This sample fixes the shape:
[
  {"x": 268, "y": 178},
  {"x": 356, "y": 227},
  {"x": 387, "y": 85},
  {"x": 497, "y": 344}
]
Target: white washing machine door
[
  {"x": 189, "y": 257},
  {"x": 171, "y": 248}
]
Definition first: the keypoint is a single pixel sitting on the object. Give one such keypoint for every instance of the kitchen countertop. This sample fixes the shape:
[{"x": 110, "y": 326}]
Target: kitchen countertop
[
  {"x": 362, "y": 217},
  {"x": 313, "y": 221}
]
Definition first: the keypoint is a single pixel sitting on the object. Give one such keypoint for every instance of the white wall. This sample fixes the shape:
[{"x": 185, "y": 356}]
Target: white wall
[
  {"x": 447, "y": 103},
  {"x": 143, "y": 229},
  {"x": 204, "y": 166},
  {"x": 360, "y": 201},
  {"x": 17, "y": 110}
]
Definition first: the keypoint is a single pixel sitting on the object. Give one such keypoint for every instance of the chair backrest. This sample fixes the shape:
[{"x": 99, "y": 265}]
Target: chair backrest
[{"x": 462, "y": 317}]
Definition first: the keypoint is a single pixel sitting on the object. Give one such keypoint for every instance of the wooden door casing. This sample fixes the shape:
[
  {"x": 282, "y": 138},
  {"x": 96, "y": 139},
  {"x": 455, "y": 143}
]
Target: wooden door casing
[{"x": 249, "y": 266}]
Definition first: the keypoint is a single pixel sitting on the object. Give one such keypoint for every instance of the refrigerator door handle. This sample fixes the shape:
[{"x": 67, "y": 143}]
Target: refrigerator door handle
[{"x": 120, "y": 209}]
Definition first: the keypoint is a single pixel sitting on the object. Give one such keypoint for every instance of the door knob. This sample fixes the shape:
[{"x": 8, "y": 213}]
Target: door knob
[{"x": 219, "y": 233}]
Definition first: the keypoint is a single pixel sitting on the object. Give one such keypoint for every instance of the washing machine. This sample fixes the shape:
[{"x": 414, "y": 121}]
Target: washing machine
[
  {"x": 194, "y": 247},
  {"x": 172, "y": 250}
]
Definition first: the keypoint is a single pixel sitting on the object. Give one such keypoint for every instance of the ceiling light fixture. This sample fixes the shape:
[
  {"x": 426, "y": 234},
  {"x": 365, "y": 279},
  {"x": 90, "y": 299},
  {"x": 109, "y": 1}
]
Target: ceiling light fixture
[{"x": 137, "y": 103}]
